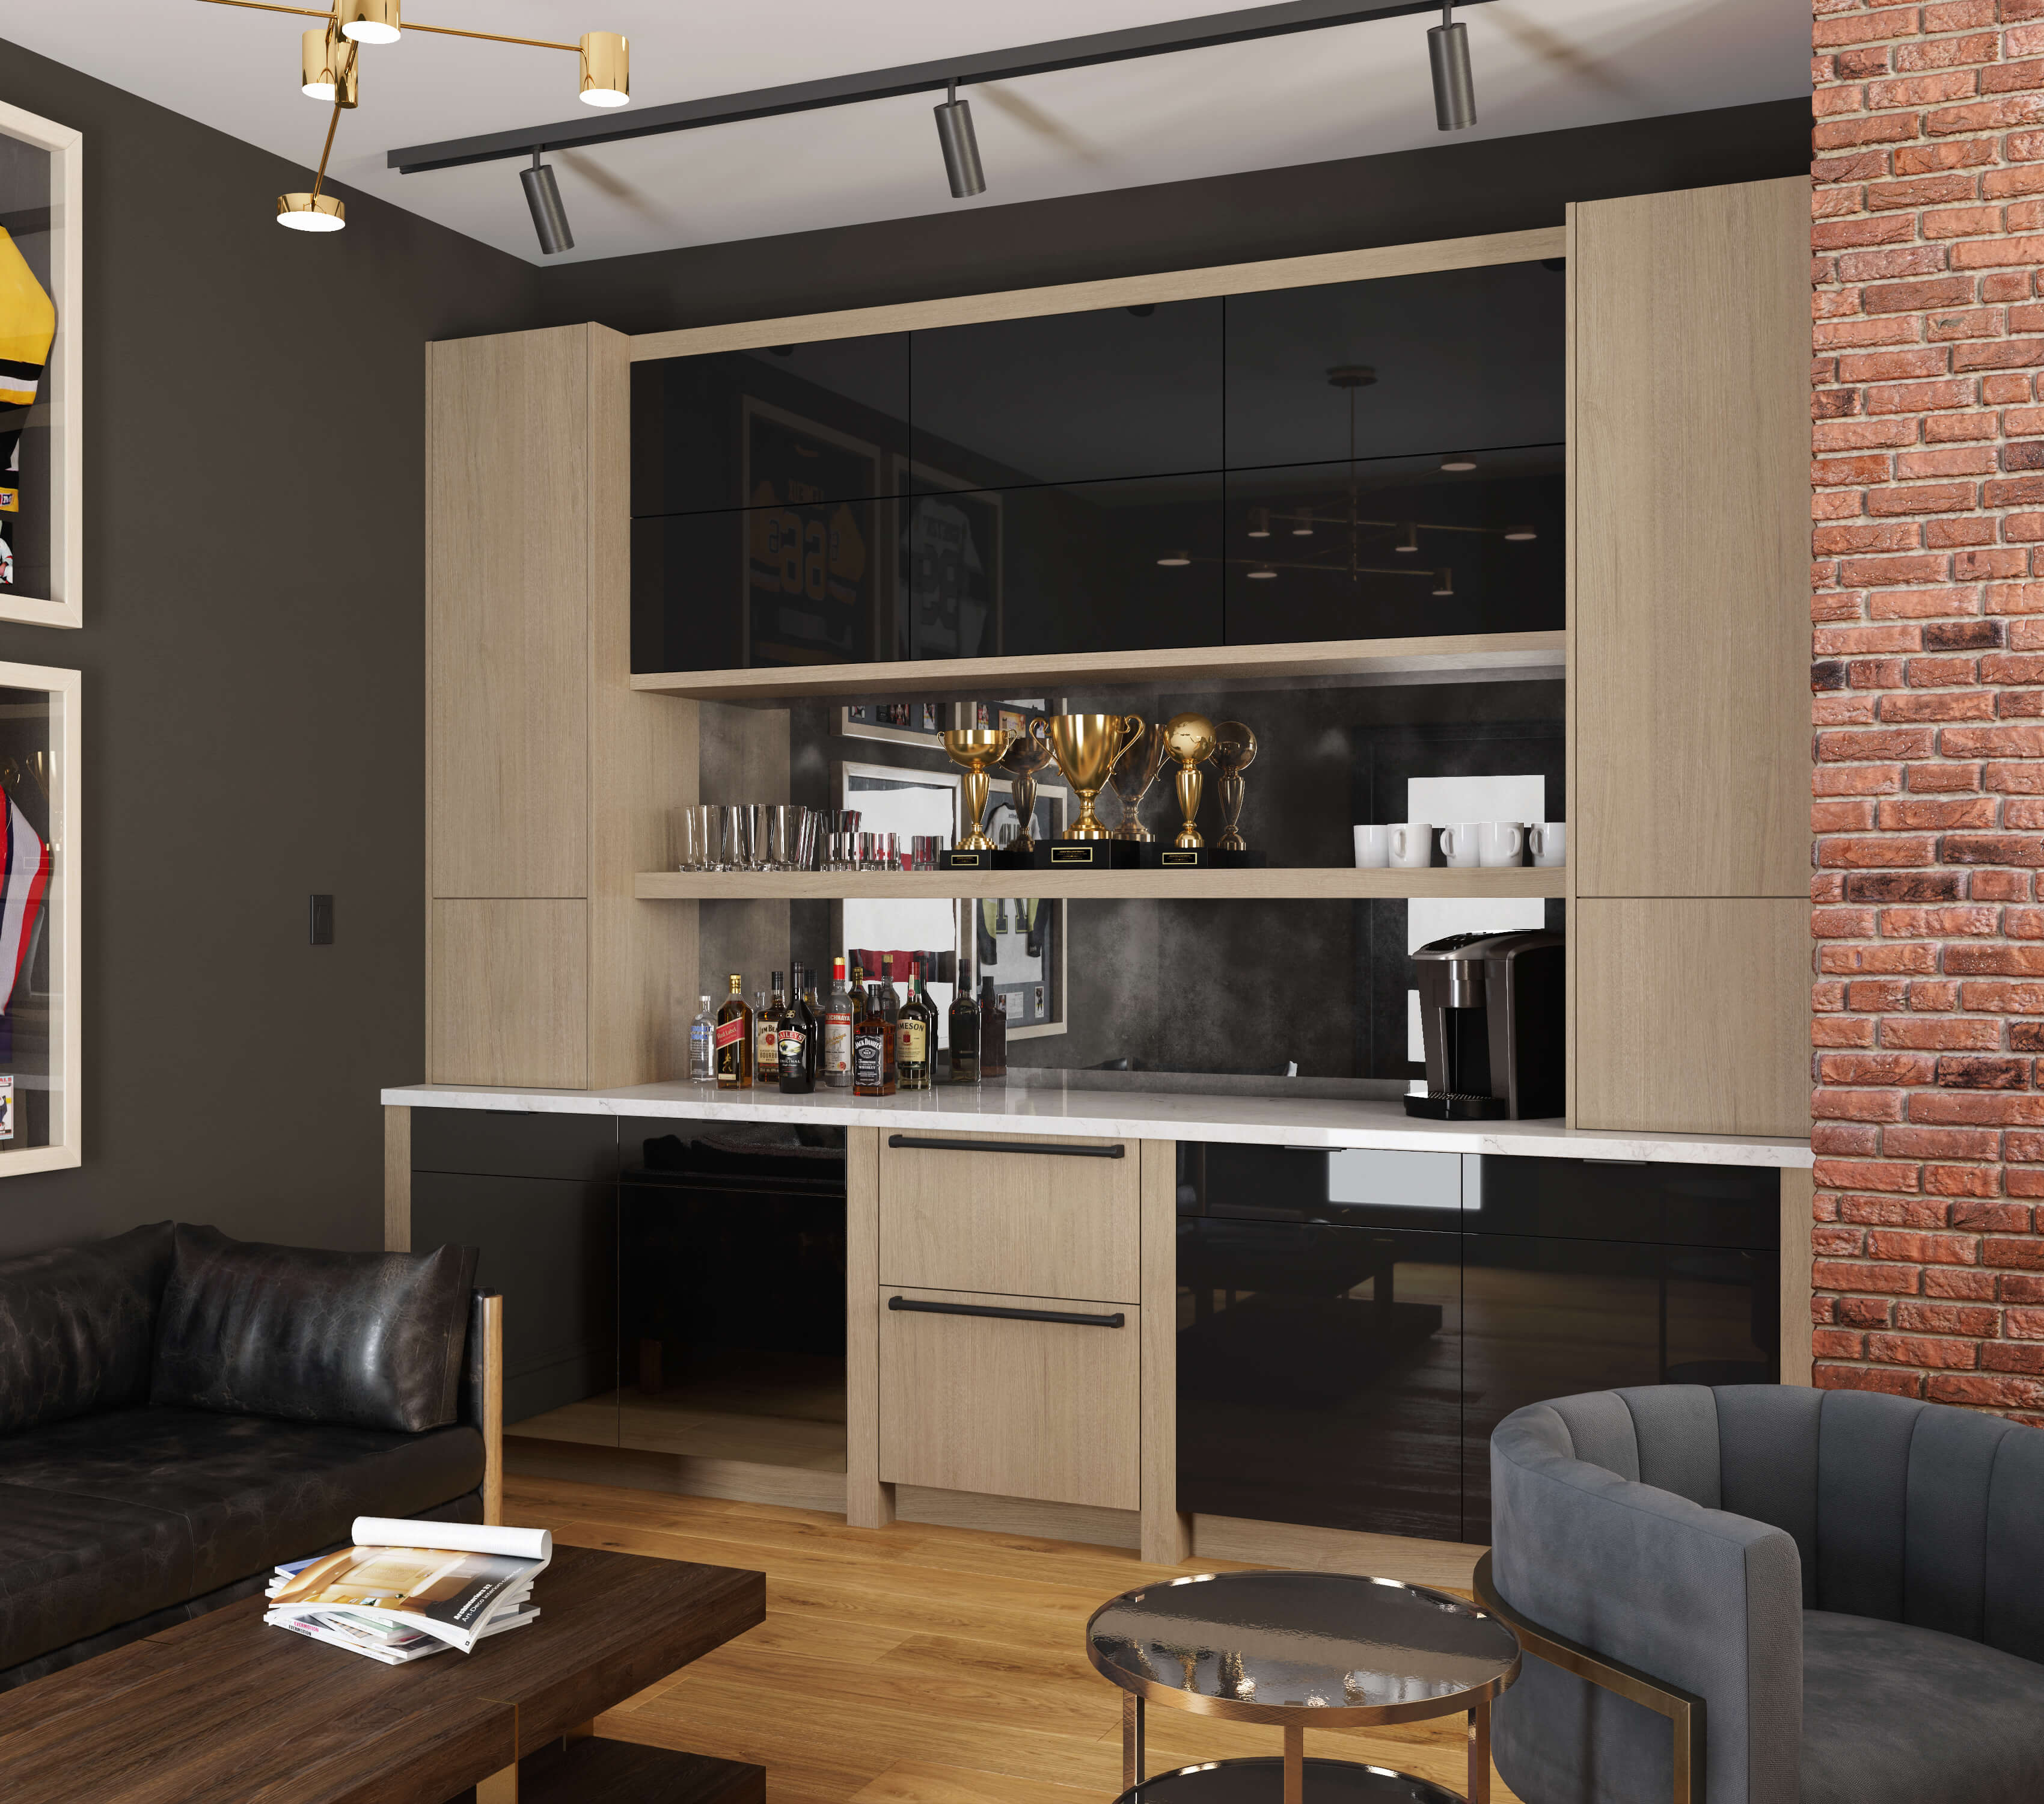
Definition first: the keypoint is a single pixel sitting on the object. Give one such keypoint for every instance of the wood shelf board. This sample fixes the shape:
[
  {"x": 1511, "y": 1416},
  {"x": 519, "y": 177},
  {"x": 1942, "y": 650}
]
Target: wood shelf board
[
  {"x": 1451, "y": 658},
  {"x": 1308, "y": 883}
]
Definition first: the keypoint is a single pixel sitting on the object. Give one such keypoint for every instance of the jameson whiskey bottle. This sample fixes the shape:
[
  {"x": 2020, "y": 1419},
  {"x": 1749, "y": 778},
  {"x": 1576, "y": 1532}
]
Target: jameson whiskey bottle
[
  {"x": 734, "y": 1038},
  {"x": 914, "y": 1034},
  {"x": 837, "y": 1020},
  {"x": 993, "y": 1031},
  {"x": 767, "y": 1031},
  {"x": 796, "y": 1043},
  {"x": 872, "y": 1046}
]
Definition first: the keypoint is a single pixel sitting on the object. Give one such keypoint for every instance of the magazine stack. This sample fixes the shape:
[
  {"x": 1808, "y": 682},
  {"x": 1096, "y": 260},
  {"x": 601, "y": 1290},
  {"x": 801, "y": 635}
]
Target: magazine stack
[{"x": 406, "y": 1590}]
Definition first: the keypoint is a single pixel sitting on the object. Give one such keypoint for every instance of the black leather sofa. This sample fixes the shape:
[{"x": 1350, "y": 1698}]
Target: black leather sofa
[{"x": 180, "y": 1411}]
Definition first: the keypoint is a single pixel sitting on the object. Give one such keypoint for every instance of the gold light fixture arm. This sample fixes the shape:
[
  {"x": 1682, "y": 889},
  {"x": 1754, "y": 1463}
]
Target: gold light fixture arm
[
  {"x": 326, "y": 150},
  {"x": 410, "y": 24},
  {"x": 262, "y": 6}
]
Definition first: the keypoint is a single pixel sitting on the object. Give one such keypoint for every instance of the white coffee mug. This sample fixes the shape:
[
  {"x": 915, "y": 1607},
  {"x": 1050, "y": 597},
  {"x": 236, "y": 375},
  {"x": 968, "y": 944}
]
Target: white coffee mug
[
  {"x": 1458, "y": 845},
  {"x": 1501, "y": 842},
  {"x": 1373, "y": 847},
  {"x": 1550, "y": 841},
  {"x": 1412, "y": 845}
]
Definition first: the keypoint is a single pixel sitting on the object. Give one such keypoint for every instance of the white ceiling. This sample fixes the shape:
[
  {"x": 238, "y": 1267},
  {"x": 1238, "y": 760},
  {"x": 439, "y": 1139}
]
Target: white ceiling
[{"x": 1354, "y": 92}]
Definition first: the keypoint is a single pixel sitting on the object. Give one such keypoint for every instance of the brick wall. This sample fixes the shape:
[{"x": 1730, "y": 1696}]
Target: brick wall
[{"x": 1927, "y": 604}]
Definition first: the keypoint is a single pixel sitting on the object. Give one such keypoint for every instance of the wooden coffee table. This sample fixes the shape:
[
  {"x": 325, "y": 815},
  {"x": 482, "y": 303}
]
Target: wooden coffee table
[{"x": 225, "y": 1708}]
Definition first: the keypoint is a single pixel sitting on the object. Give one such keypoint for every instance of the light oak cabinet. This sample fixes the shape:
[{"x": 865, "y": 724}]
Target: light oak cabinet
[{"x": 1045, "y": 1409}]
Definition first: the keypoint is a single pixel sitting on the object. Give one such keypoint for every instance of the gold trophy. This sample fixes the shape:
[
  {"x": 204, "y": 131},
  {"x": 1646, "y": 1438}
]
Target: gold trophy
[
  {"x": 1190, "y": 739},
  {"x": 1132, "y": 778},
  {"x": 1087, "y": 748},
  {"x": 1022, "y": 759},
  {"x": 975, "y": 750},
  {"x": 1235, "y": 751}
]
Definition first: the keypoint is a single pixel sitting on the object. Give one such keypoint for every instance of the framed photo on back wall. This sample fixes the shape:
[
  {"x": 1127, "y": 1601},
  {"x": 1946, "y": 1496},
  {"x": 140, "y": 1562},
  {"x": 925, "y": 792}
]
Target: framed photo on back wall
[{"x": 42, "y": 199}]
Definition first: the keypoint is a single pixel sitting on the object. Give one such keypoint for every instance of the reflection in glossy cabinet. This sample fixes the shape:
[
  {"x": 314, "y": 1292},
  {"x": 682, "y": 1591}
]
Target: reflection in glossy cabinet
[{"x": 1048, "y": 1410}]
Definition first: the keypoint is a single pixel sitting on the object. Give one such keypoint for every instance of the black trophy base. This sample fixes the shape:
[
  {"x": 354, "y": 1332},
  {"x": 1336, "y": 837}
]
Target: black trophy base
[
  {"x": 1436, "y": 1106},
  {"x": 1222, "y": 860},
  {"x": 1016, "y": 858},
  {"x": 967, "y": 860},
  {"x": 1089, "y": 855},
  {"x": 1161, "y": 854}
]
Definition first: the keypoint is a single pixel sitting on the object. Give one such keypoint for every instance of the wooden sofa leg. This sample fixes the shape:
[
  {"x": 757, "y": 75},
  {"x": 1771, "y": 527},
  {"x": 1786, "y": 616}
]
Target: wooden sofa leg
[{"x": 493, "y": 1410}]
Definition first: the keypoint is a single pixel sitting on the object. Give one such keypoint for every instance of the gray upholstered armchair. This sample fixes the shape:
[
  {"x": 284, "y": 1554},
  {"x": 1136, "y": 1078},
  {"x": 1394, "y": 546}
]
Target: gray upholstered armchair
[{"x": 1842, "y": 1592}]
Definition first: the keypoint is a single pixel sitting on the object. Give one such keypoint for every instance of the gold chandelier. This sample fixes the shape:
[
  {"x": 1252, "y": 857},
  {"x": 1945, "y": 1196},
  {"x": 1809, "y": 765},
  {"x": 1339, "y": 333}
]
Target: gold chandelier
[{"x": 327, "y": 72}]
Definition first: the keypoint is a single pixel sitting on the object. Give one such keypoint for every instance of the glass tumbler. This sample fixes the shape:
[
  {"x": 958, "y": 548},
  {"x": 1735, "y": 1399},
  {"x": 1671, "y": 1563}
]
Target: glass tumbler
[
  {"x": 688, "y": 840},
  {"x": 887, "y": 851},
  {"x": 805, "y": 851},
  {"x": 754, "y": 816},
  {"x": 784, "y": 838},
  {"x": 709, "y": 836}
]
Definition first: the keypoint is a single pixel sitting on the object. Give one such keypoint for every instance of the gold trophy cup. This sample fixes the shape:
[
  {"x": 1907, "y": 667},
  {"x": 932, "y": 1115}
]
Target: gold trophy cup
[
  {"x": 1133, "y": 776},
  {"x": 1235, "y": 751},
  {"x": 1190, "y": 739},
  {"x": 1087, "y": 748},
  {"x": 976, "y": 750},
  {"x": 1022, "y": 759}
]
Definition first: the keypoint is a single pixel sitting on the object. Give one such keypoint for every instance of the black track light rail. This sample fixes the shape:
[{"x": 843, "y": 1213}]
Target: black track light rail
[{"x": 1242, "y": 26}]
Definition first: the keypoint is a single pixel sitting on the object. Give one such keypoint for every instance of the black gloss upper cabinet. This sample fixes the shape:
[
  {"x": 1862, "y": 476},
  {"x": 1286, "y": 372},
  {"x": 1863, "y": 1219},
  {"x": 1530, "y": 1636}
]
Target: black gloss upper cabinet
[
  {"x": 784, "y": 426},
  {"x": 1116, "y": 393},
  {"x": 1452, "y": 361}
]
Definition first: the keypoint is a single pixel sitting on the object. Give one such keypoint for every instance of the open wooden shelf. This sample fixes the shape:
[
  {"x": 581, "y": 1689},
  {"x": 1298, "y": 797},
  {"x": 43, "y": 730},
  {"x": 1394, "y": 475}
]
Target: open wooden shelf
[
  {"x": 1454, "y": 658},
  {"x": 1305, "y": 883}
]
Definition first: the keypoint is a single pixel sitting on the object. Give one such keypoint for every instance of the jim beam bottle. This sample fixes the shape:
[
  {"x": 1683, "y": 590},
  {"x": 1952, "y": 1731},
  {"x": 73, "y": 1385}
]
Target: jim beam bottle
[
  {"x": 796, "y": 1046},
  {"x": 915, "y": 1034},
  {"x": 872, "y": 1045},
  {"x": 766, "y": 1032},
  {"x": 837, "y": 1019},
  {"x": 734, "y": 1038}
]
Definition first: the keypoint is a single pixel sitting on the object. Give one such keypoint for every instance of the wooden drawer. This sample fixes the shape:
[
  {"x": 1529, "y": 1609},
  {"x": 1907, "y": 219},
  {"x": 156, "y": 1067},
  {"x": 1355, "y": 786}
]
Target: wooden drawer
[
  {"x": 1012, "y": 1213},
  {"x": 1045, "y": 1409}
]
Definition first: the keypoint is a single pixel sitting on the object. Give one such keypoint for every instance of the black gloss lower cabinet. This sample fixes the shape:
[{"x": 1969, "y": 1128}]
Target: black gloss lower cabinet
[{"x": 1339, "y": 1369}]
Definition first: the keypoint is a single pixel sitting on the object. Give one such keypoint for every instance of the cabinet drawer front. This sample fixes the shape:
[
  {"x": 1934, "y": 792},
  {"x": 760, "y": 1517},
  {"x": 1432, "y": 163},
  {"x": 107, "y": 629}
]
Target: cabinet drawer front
[
  {"x": 1015, "y": 1407},
  {"x": 1026, "y": 1215}
]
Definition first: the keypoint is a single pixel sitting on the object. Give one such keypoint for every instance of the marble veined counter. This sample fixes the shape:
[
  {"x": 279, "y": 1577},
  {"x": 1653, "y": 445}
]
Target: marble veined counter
[{"x": 1128, "y": 1114}]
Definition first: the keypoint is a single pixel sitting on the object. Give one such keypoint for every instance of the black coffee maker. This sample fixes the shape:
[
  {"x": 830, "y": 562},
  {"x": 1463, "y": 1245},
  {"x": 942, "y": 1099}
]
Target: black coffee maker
[{"x": 1491, "y": 1022}]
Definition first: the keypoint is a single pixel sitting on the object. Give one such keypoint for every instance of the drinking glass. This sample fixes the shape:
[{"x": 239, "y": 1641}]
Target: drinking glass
[
  {"x": 754, "y": 816},
  {"x": 887, "y": 851},
  {"x": 805, "y": 851},
  {"x": 785, "y": 836},
  {"x": 732, "y": 817},
  {"x": 709, "y": 836},
  {"x": 923, "y": 850},
  {"x": 688, "y": 855}
]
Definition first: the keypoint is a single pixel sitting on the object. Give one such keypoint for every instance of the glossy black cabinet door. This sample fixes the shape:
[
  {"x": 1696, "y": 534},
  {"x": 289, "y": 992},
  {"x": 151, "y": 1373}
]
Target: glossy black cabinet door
[
  {"x": 1450, "y": 361},
  {"x": 1067, "y": 398},
  {"x": 1320, "y": 1375},
  {"x": 1395, "y": 547},
  {"x": 820, "y": 422}
]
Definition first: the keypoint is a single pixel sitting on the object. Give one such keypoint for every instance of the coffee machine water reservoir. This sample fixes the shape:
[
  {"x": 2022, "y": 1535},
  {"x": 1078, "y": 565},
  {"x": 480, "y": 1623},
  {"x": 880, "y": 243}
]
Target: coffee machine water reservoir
[{"x": 1491, "y": 1018}]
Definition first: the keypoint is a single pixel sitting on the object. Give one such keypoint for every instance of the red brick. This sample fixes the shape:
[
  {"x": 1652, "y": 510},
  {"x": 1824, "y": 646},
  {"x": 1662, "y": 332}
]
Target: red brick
[
  {"x": 1870, "y": 536},
  {"x": 1856, "y": 1105},
  {"x": 1886, "y": 1176},
  {"x": 1888, "y": 572},
  {"x": 1987, "y": 848},
  {"x": 2011, "y": 1255},
  {"x": 1946, "y": 1318},
  {"x": 1936, "y": 923},
  {"x": 2013, "y": 779},
  {"x": 1948, "y": 1107},
  {"x": 1876, "y": 1068},
  {"x": 1958, "y": 1036},
  {"x": 1959, "y": 1281},
  {"x": 1920, "y": 1350},
  {"x": 1977, "y": 1388},
  {"x": 1902, "y": 885},
  {"x": 1842, "y": 1030},
  {"x": 1857, "y": 779},
  {"x": 1995, "y": 961},
  {"x": 1927, "y": 815},
  {"x": 1848, "y": 960},
  {"x": 1841, "y": 1274},
  {"x": 1845, "y": 1140},
  {"x": 1929, "y": 396},
  {"x": 1889, "y": 129},
  {"x": 1912, "y": 160},
  {"x": 1840, "y": 1342},
  {"x": 1999, "y": 1356},
  {"x": 1939, "y": 997},
  {"x": 1918, "y": 742},
  {"x": 1993, "y": 1217},
  {"x": 1863, "y": 1378},
  {"x": 2002, "y": 886},
  {"x": 1849, "y": 435},
  {"x": 1924, "y": 1249},
  {"x": 1962, "y": 1180},
  {"x": 1846, "y": 711},
  {"x": 2015, "y": 598},
  {"x": 1942, "y": 1143}
]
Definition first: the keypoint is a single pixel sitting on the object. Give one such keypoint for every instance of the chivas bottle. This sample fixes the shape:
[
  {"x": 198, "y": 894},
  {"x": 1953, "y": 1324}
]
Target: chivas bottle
[{"x": 734, "y": 1038}]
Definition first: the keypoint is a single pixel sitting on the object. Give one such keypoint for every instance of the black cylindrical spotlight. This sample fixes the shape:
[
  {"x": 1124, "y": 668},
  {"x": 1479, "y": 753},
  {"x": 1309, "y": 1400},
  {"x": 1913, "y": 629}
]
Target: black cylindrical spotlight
[
  {"x": 961, "y": 146},
  {"x": 549, "y": 218},
  {"x": 1454, "y": 87}
]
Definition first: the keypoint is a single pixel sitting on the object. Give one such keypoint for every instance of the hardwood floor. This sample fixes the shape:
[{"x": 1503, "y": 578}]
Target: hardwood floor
[{"x": 914, "y": 1664}]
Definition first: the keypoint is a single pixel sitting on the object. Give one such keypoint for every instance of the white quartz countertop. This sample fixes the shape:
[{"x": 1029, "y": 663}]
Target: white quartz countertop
[{"x": 1130, "y": 1114}]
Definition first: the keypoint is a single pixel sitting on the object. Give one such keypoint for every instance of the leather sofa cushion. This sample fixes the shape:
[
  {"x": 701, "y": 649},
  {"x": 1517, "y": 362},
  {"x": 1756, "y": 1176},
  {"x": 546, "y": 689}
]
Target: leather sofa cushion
[
  {"x": 77, "y": 1326},
  {"x": 110, "y": 1516},
  {"x": 371, "y": 1340},
  {"x": 1895, "y": 1714}
]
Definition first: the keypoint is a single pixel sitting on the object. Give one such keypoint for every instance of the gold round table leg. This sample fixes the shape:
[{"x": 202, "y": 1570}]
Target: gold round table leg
[
  {"x": 1295, "y": 1765},
  {"x": 1479, "y": 1753}
]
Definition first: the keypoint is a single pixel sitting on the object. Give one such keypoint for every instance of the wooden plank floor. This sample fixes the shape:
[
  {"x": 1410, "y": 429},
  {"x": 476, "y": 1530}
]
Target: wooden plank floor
[{"x": 914, "y": 1664}]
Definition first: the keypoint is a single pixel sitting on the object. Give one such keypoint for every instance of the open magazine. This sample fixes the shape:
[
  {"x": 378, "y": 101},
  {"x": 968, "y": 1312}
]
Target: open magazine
[{"x": 394, "y": 1599}]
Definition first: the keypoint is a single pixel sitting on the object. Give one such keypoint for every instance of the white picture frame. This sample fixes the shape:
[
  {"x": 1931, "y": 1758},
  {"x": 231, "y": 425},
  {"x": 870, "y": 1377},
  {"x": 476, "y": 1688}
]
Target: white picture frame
[
  {"x": 61, "y": 401},
  {"x": 63, "y": 919}
]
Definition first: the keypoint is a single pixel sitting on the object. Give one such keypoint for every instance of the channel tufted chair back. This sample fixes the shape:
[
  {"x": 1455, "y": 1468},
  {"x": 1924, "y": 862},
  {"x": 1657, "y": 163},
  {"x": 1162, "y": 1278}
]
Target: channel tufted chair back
[{"x": 1684, "y": 1531}]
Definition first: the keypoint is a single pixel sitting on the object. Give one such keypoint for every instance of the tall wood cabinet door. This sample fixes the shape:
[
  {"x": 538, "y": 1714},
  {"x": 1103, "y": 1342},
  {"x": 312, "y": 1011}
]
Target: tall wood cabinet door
[
  {"x": 507, "y": 614},
  {"x": 1043, "y": 1409},
  {"x": 1010, "y": 1212},
  {"x": 1694, "y": 1015},
  {"x": 1689, "y": 443},
  {"x": 507, "y": 993}
]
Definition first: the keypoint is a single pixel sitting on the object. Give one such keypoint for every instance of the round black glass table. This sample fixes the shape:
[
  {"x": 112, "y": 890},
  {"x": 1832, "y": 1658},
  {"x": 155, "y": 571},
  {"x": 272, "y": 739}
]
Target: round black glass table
[{"x": 1295, "y": 1649}]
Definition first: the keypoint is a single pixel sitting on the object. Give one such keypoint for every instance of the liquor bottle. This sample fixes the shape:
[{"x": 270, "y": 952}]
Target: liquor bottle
[
  {"x": 815, "y": 1050},
  {"x": 796, "y": 1044},
  {"x": 702, "y": 1045},
  {"x": 890, "y": 1006},
  {"x": 914, "y": 1034},
  {"x": 766, "y": 1032},
  {"x": 734, "y": 1038},
  {"x": 837, "y": 1031},
  {"x": 993, "y": 1031},
  {"x": 872, "y": 1047},
  {"x": 965, "y": 1029}
]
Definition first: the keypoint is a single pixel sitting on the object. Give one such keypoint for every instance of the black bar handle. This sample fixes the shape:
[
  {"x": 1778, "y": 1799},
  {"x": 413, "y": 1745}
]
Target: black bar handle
[
  {"x": 935, "y": 1143},
  {"x": 1069, "y": 1318}
]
